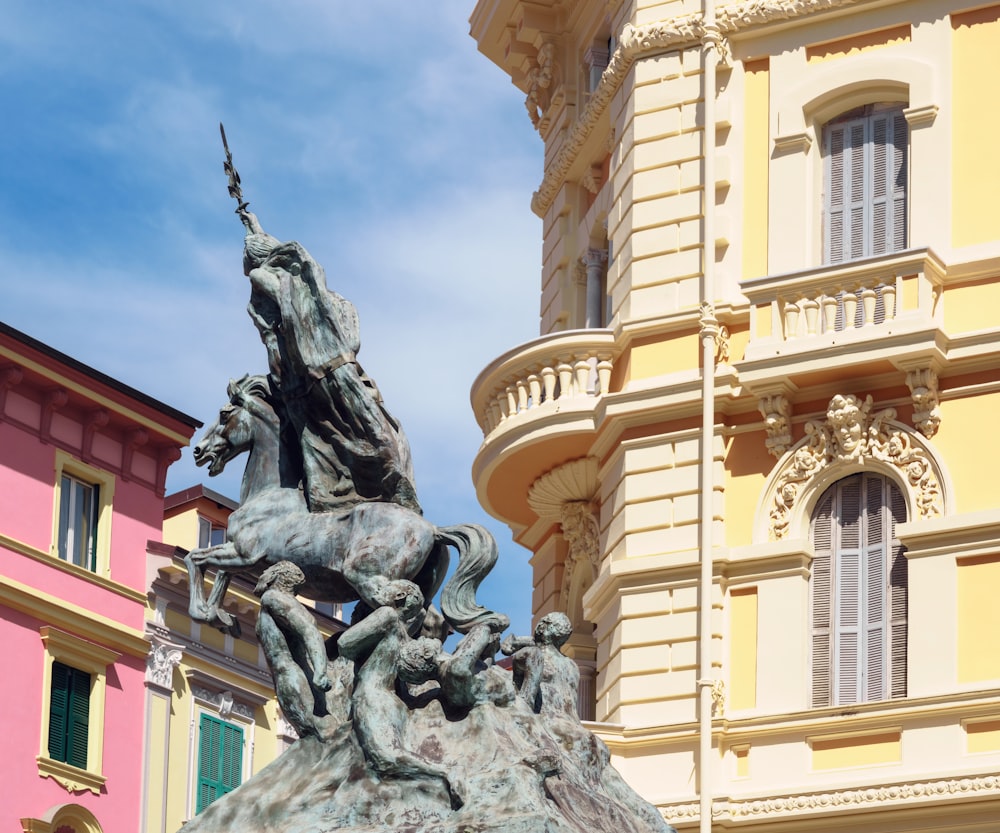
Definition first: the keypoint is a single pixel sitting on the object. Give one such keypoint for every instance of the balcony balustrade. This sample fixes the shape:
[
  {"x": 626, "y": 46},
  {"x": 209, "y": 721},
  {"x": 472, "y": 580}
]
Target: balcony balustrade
[
  {"x": 879, "y": 305},
  {"x": 543, "y": 376}
]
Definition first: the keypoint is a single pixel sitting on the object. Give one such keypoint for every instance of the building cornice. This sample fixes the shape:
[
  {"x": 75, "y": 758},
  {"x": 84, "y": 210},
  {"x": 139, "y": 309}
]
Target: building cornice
[
  {"x": 85, "y": 623},
  {"x": 637, "y": 42}
]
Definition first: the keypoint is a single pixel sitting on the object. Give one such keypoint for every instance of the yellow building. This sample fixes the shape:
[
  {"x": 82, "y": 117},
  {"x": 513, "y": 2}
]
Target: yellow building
[
  {"x": 780, "y": 571},
  {"x": 212, "y": 720}
]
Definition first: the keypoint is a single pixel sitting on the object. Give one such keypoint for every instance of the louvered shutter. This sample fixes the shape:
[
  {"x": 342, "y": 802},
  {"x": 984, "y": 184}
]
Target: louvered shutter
[
  {"x": 834, "y": 238},
  {"x": 220, "y": 759},
  {"x": 848, "y": 616},
  {"x": 876, "y": 581},
  {"x": 69, "y": 715},
  {"x": 58, "y": 711},
  {"x": 822, "y": 597},
  {"x": 866, "y": 185},
  {"x": 898, "y": 594}
]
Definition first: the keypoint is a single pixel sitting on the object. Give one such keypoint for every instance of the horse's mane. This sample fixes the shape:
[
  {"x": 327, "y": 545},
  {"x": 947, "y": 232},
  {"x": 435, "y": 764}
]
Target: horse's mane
[{"x": 255, "y": 386}]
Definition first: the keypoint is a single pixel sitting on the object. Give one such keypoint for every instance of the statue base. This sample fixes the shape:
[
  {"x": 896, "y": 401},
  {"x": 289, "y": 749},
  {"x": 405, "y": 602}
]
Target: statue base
[{"x": 514, "y": 780}]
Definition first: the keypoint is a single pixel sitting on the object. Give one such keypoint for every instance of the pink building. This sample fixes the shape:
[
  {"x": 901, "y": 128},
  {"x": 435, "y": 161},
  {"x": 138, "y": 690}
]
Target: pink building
[{"x": 83, "y": 460}]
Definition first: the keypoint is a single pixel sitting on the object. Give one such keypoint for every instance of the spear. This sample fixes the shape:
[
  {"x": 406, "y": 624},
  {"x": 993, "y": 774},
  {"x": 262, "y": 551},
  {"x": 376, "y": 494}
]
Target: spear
[{"x": 235, "y": 191}]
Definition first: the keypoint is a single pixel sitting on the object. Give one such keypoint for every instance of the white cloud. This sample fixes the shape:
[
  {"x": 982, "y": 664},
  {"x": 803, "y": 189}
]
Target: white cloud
[{"x": 372, "y": 132}]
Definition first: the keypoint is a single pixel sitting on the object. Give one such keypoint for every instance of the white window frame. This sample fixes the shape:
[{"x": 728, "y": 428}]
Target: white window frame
[{"x": 66, "y": 465}]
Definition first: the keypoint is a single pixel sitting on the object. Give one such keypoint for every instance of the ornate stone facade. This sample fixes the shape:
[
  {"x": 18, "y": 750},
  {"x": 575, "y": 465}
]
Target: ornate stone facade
[{"x": 853, "y": 435}]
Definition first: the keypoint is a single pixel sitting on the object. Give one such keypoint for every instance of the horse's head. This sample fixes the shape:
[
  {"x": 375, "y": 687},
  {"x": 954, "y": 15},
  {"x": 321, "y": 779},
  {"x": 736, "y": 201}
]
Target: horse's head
[{"x": 236, "y": 428}]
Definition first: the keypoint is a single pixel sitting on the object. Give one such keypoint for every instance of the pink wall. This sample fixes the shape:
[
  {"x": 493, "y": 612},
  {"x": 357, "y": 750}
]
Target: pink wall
[{"x": 23, "y": 794}]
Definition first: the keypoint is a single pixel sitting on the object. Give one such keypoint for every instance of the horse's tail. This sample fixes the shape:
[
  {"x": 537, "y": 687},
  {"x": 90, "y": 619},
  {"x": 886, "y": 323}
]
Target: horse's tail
[{"x": 477, "y": 553}]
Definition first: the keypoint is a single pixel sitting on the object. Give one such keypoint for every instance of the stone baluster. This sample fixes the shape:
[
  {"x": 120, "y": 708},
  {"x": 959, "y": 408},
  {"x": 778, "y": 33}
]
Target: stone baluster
[
  {"x": 868, "y": 299},
  {"x": 522, "y": 395},
  {"x": 565, "y": 379},
  {"x": 829, "y": 304},
  {"x": 850, "y": 308},
  {"x": 534, "y": 390},
  {"x": 791, "y": 320},
  {"x": 810, "y": 306},
  {"x": 549, "y": 382},
  {"x": 581, "y": 370},
  {"x": 604, "y": 368},
  {"x": 889, "y": 300}
]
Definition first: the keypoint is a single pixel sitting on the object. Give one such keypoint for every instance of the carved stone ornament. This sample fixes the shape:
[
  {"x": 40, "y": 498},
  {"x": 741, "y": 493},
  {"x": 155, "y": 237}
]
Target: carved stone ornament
[
  {"x": 162, "y": 659},
  {"x": 777, "y": 412},
  {"x": 923, "y": 385},
  {"x": 593, "y": 179},
  {"x": 225, "y": 702},
  {"x": 540, "y": 84},
  {"x": 847, "y": 800},
  {"x": 582, "y": 535},
  {"x": 851, "y": 433},
  {"x": 565, "y": 494}
]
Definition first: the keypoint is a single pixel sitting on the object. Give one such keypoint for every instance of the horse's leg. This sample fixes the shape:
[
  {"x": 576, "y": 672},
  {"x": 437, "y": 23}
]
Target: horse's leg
[{"x": 209, "y": 610}]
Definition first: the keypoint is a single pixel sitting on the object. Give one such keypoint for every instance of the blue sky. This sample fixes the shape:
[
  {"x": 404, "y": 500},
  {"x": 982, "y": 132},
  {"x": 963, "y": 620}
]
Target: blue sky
[{"x": 374, "y": 133}]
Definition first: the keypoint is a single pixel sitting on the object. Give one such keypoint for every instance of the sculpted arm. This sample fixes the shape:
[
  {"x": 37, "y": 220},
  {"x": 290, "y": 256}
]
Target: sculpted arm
[{"x": 358, "y": 640}]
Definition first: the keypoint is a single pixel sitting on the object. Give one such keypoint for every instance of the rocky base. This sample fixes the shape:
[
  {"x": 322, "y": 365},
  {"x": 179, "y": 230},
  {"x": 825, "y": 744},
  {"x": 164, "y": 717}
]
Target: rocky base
[{"x": 515, "y": 776}]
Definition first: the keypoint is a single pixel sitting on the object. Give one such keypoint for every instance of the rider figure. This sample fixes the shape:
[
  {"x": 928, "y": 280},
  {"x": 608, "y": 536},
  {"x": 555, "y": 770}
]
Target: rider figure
[{"x": 352, "y": 450}]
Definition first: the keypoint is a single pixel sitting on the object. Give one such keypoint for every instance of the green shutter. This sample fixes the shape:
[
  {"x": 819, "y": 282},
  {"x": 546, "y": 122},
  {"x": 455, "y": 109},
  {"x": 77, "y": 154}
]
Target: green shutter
[
  {"x": 220, "y": 759},
  {"x": 69, "y": 715},
  {"x": 58, "y": 711}
]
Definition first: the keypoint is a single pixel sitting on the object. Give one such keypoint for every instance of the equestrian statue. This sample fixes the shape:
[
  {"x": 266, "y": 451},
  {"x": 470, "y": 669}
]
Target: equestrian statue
[{"x": 394, "y": 732}]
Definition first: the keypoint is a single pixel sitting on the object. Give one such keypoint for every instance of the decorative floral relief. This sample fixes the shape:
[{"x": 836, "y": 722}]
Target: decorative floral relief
[
  {"x": 582, "y": 535},
  {"x": 777, "y": 412},
  {"x": 851, "y": 433},
  {"x": 862, "y": 797},
  {"x": 161, "y": 661},
  {"x": 923, "y": 385}
]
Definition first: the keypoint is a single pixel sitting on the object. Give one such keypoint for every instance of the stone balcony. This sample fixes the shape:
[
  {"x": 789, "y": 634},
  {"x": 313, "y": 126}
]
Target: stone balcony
[
  {"x": 564, "y": 371},
  {"x": 537, "y": 406},
  {"x": 880, "y": 313}
]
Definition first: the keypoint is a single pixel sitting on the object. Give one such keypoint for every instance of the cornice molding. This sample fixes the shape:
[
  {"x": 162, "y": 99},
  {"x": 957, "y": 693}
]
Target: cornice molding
[
  {"x": 635, "y": 42},
  {"x": 862, "y": 798}
]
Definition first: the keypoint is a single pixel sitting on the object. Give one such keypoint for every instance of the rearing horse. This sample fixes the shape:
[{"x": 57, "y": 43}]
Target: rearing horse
[{"x": 346, "y": 556}]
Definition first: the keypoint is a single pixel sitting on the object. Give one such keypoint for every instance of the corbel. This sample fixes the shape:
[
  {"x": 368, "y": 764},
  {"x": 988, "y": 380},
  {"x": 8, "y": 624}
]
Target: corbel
[
  {"x": 10, "y": 376},
  {"x": 53, "y": 401}
]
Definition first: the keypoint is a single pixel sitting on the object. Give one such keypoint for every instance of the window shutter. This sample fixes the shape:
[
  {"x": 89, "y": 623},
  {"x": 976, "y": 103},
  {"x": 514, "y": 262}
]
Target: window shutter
[
  {"x": 898, "y": 180},
  {"x": 79, "y": 719},
  {"x": 875, "y": 589},
  {"x": 232, "y": 757},
  {"x": 866, "y": 183},
  {"x": 208, "y": 761},
  {"x": 834, "y": 242},
  {"x": 69, "y": 715},
  {"x": 847, "y": 593},
  {"x": 220, "y": 759},
  {"x": 898, "y": 593},
  {"x": 58, "y": 711},
  {"x": 822, "y": 597}
]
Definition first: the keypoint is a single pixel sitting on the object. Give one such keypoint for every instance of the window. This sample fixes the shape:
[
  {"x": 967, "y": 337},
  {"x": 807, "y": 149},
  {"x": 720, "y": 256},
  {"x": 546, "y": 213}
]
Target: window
[
  {"x": 69, "y": 715},
  {"x": 81, "y": 533},
  {"x": 78, "y": 503},
  {"x": 72, "y": 710},
  {"x": 209, "y": 534},
  {"x": 220, "y": 759},
  {"x": 865, "y": 177},
  {"x": 859, "y": 593}
]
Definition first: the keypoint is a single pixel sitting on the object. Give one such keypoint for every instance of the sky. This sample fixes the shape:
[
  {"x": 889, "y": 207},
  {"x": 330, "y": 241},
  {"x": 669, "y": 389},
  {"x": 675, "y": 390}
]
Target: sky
[{"x": 373, "y": 133}]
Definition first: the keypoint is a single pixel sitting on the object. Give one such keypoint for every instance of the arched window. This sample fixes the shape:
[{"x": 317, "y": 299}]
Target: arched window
[
  {"x": 859, "y": 589},
  {"x": 865, "y": 154}
]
